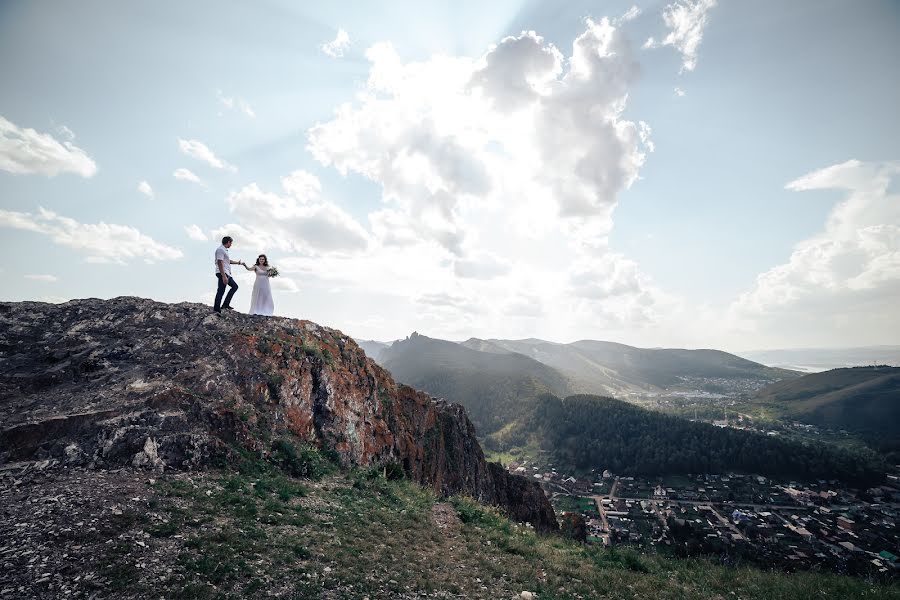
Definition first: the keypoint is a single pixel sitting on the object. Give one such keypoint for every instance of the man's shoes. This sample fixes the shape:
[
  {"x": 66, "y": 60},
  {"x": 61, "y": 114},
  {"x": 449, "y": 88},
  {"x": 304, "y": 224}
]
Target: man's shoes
[
  {"x": 218, "y": 311},
  {"x": 227, "y": 308}
]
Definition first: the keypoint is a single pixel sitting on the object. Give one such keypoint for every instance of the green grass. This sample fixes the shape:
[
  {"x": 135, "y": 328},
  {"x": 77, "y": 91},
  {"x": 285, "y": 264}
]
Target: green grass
[
  {"x": 300, "y": 460},
  {"x": 358, "y": 533},
  {"x": 500, "y": 456},
  {"x": 677, "y": 481}
]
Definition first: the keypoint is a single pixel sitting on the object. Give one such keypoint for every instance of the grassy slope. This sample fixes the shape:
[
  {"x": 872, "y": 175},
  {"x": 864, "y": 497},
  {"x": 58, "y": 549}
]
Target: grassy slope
[
  {"x": 862, "y": 398},
  {"x": 358, "y": 535}
]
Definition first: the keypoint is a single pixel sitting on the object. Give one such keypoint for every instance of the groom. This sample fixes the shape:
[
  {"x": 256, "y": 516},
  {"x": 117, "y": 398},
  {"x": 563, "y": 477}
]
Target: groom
[{"x": 223, "y": 275}]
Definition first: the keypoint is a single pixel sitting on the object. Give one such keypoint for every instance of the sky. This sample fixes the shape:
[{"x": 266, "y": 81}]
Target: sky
[{"x": 700, "y": 174}]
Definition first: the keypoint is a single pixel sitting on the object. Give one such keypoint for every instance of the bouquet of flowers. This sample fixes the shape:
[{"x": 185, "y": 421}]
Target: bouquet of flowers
[{"x": 272, "y": 272}]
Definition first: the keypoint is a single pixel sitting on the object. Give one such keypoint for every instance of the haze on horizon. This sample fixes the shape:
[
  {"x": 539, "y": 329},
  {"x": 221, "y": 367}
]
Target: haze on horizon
[{"x": 703, "y": 173}]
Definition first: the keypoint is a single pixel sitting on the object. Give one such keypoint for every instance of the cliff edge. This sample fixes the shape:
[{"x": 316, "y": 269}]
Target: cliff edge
[{"x": 130, "y": 381}]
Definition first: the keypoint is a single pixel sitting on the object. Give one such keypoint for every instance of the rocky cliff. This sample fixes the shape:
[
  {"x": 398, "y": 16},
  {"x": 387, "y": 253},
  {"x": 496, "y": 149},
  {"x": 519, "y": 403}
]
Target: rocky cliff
[{"x": 128, "y": 381}]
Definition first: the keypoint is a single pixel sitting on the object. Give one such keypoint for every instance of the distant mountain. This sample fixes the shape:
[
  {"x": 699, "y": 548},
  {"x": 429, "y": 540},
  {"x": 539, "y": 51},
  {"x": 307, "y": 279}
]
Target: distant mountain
[
  {"x": 492, "y": 386},
  {"x": 860, "y": 399},
  {"x": 823, "y": 359},
  {"x": 372, "y": 348},
  {"x": 617, "y": 369},
  {"x": 514, "y": 402}
]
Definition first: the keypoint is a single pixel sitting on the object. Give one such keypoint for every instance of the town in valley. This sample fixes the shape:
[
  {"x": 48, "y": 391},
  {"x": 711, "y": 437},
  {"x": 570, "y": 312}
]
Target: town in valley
[{"x": 737, "y": 518}]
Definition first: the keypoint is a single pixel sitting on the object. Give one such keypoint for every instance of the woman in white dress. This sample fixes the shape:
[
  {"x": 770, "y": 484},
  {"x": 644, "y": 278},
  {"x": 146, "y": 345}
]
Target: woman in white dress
[{"x": 261, "y": 302}]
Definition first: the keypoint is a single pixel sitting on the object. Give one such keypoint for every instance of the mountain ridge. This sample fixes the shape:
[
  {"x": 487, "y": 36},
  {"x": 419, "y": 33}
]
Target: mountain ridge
[
  {"x": 824, "y": 359},
  {"x": 489, "y": 385},
  {"x": 612, "y": 368},
  {"x": 861, "y": 399}
]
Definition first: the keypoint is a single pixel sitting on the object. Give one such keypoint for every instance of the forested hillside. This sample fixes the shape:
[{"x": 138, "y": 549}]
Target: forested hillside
[
  {"x": 863, "y": 400},
  {"x": 592, "y": 432}
]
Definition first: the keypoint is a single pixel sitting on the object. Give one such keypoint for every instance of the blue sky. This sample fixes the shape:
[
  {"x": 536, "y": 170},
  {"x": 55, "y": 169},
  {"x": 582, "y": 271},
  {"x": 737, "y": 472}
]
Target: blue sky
[{"x": 478, "y": 181}]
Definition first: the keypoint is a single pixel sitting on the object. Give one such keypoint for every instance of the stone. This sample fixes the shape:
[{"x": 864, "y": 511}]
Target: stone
[
  {"x": 106, "y": 377},
  {"x": 148, "y": 456}
]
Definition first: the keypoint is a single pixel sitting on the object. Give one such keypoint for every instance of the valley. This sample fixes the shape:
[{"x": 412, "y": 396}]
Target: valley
[
  {"x": 721, "y": 462},
  {"x": 733, "y": 518}
]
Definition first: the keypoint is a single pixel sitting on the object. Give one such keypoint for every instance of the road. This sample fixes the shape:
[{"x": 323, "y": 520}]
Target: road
[
  {"x": 657, "y": 508},
  {"x": 730, "y": 504},
  {"x": 724, "y": 521},
  {"x": 598, "y": 500}
]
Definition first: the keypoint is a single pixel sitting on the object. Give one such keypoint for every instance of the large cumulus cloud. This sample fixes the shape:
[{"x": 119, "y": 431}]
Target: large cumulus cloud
[
  {"x": 845, "y": 279},
  {"x": 298, "y": 220},
  {"x": 505, "y": 167}
]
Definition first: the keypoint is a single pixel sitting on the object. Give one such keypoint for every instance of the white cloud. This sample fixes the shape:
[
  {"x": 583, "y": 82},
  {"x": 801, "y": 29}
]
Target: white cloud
[
  {"x": 299, "y": 221},
  {"x": 498, "y": 172},
  {"x": 101, "y": 242},
  {"x": 524, "y": 305},
  {"x": 200, "y": 151},
  {"x": 238, "y": 104},
  {"x": 25, "y": 151},
  {"x": 451, "y": 302},
  {"x": 183, "y": 174},
  {"x": 679, "y": 92},
  {"x": 511, "y": 123},
  {"x": 285, "y": 284},
  {"x": 614, "y": 286},
  {"x": 66, "y": 133},
  {"x": 336, "y": 47},
  {"x": 301, "y": 185},
  {"x": 845, "y": 278},
  {"x": 686, "y": 20},
  {"x": 482, "y": 266},
  {"x": 43, "y": 278},
  {"x": 195, "y": 233},
  {"x": 630, "y": 15},
  {"x": 144, "y": 188},
  {"x": 518, "y": 71}
]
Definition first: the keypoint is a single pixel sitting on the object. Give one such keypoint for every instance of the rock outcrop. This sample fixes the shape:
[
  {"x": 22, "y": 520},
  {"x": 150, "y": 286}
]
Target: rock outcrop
[{"x": 128, "y": 381}]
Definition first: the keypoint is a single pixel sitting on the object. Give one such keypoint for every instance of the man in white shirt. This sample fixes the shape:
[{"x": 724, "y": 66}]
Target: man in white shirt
[{"x": 223, "y": 275}]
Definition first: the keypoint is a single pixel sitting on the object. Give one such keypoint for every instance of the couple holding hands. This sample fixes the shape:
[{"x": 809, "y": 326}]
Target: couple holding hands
[{"x": 261, "y": 302}]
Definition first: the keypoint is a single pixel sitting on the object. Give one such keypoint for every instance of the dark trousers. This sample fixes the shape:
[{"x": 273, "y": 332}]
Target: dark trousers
[{"x": 217, "y": 305}]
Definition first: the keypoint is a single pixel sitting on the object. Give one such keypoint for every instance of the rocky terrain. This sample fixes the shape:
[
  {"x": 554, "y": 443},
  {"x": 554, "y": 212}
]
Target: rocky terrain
[
  {"x": 159, "y": 451},
  {"x": 103, "y": 384},
  {"x": 251, "y": 532}
]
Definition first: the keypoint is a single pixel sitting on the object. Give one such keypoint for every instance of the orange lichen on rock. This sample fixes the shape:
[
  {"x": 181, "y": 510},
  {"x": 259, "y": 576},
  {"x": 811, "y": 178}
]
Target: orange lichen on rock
[{"x": 95, "y": 380}]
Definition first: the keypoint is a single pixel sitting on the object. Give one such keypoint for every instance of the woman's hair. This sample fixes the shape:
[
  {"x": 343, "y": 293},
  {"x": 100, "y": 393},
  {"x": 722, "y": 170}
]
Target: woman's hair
[{"x": 265, "y": 260}]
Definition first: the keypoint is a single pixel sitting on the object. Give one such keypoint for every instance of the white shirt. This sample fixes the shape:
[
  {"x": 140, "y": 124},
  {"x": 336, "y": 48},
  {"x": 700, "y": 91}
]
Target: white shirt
[{"x": 222, "y": 254}]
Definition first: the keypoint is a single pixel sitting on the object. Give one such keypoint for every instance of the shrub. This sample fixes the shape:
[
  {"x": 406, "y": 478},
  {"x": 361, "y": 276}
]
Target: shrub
[{"x": 305, "y": 461}]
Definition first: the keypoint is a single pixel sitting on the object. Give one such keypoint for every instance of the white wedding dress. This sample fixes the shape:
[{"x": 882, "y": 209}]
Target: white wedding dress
[{"x": 261, "y": 302}]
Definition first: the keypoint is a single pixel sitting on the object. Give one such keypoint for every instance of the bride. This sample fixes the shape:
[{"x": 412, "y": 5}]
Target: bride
[{"x": 261, "y": 302}]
